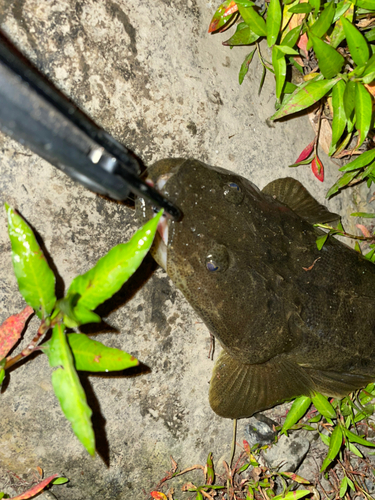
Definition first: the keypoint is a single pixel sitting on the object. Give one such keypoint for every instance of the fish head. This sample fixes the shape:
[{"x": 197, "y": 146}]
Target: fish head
[{"x": 213, "y": 253}]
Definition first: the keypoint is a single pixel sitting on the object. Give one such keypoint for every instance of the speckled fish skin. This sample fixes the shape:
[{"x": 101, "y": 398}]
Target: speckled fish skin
[{"x": 285, "y": 331}]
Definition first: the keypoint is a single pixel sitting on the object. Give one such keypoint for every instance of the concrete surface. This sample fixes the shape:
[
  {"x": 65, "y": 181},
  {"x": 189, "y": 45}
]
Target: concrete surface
[{"x": 149, "y": 73}]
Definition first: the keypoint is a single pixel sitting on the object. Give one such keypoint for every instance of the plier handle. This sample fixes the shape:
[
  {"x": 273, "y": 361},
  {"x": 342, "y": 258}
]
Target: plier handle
[{"x": 35, "y": 113}]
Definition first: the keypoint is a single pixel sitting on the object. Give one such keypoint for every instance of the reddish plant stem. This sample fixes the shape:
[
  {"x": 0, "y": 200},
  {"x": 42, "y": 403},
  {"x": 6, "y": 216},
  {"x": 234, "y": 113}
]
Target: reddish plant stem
[{"x": 30, "y": 348}]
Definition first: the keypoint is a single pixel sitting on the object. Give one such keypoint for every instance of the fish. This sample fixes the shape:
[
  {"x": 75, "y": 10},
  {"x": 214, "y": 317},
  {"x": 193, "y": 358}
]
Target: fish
[{"x": 292, "y": 320}]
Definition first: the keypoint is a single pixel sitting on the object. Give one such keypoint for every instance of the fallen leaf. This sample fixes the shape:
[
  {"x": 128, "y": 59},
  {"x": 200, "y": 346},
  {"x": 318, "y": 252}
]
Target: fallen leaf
[
  {"x": 371, "y": 88},
  {"x": 302, "y": 43},
  {"x": 325, "y": 133},
  {"x": 364, "y": 23},
  {"x": 158, "y": 495},
  {"x": 364, "y": 230},
  {"x": 35, "y": 489},
  {"x": 188, "y": 486}
]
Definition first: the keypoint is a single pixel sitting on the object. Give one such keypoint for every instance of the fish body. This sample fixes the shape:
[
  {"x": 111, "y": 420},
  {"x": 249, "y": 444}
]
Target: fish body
[{"x": 292, "y": 320}]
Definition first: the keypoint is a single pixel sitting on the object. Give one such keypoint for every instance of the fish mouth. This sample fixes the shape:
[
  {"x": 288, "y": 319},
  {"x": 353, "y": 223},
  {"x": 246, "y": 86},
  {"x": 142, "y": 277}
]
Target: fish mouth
[{"x": 161, "y": 239}]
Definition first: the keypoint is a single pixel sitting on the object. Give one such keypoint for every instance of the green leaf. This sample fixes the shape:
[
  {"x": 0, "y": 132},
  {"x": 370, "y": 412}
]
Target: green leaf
[
  {"x": 349, "y": 100},
  {"x": 35, "y": 279},
  {"x": 339, "y": 117},
  {"x": 341, "y": 8},
  {"x": 254, "y": 20},
  {"x": 323, "y": 23},
  {"x": 363, "y": 214},
  {"x": 323, "y": 406},
  {"x": 321, "y": 240},
  {"x": 353, "y": 438},
  {"x": 330, "y": 61},
  {"x": 245, "y": 66},
  {"x": 292, "y": 495},
  {"x": 357, "y": 44},
  {"x": 301, "y": 8},
  {"x": 304, "y": 97},
  {"x": 111, "y": 271},
  {"x": 368, "y": 75},
  {"x": 289, "y": 88},
  {"x": 285, "y": 49},
  {"x": 335, "y": 443},
  {"x": 362, "y": 161},
  {"x": 68, "y": 388},
  {"x": 93, "y": 356},
  {"x": 354, "y": 450},
  {"x": 343, "y": 486},
  {"x": 325, "y": 439},
  {"x": 366, "y": 4},
  {"x": 315, "y": 419},
  {"x": 342, "y": 182},
  {"x": 291, "y": 38},
  {"x": 2, "y": 375},
  {"x": 60, "y": 480},
  {"x": 315, "y": 4},
  {"x": 242, "y": 36},
  {"x": 82, "y": 315},
  {"x": 273, "y": 23},
  {"x": 363, "y": 112},
  {"x": 279, "y": 65},
  {"x": 298, "y": 409},
  {"x": 370, "y": 35},
  {"x": 75, "y": 314}
]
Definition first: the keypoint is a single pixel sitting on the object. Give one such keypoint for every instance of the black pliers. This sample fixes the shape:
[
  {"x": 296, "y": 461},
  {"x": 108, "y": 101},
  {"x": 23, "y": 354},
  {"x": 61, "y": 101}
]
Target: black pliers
[{"x": 36, "y": 114}]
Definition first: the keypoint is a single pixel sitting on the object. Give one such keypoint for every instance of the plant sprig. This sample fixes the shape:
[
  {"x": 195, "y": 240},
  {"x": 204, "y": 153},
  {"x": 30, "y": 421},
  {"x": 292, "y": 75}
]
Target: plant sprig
[{"x": 73, "y": 351}]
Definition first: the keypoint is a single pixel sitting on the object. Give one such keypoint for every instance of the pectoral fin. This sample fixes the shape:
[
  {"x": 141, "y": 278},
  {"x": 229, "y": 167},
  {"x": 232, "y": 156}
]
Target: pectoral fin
[
  {"x": 238, "y": 390},
  {"x": 295, "y": 196}
]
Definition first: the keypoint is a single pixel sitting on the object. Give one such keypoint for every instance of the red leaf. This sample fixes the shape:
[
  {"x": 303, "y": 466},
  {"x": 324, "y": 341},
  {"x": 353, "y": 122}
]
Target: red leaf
[
  {"x": 302, "y": 44},
  {"x": 222, "y": 15},
  {"x": 11, "y": 329},
  {"x": 317, "y": 169},
  {"x": 35, "y": 489},
  {"x": 306, "y": 152},
  {"x": 231, "y": 9},
  {"x": 158, "y": 495},
  {"x": 364, "y": 230},
  {"x": 246, "y": 446}
]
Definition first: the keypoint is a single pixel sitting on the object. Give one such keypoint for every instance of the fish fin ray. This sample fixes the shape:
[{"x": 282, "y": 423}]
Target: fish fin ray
[
  {"x": 336, "y": 384},
  {"x": 291, "y": 192},
  {"x": 239, "y": 390}
]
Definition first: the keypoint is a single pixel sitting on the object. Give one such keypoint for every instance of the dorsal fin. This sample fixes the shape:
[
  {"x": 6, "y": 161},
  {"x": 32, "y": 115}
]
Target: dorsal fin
[{"x": 295, "y": 196}]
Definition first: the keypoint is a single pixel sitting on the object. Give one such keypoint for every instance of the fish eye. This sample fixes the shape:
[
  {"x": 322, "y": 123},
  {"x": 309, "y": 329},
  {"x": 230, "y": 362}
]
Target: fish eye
[
  {"x": 212, "y": 266},
  {"x": 233, "y": 193},
  {"x": 217, "y": 259}
]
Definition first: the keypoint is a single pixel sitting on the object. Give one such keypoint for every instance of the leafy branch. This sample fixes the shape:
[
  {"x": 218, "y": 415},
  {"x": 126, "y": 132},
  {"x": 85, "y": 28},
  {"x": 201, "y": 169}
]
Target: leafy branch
[
  {"x": 73, "y": 351},
  {"x": 331, "y": 44}
]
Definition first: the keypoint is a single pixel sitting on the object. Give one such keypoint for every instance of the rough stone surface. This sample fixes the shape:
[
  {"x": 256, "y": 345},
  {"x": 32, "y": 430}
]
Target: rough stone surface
[
  {"x": 288, "y": 453},
  {"x": 149, "y": 74},
  {"x": 260, "y": 431}
]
